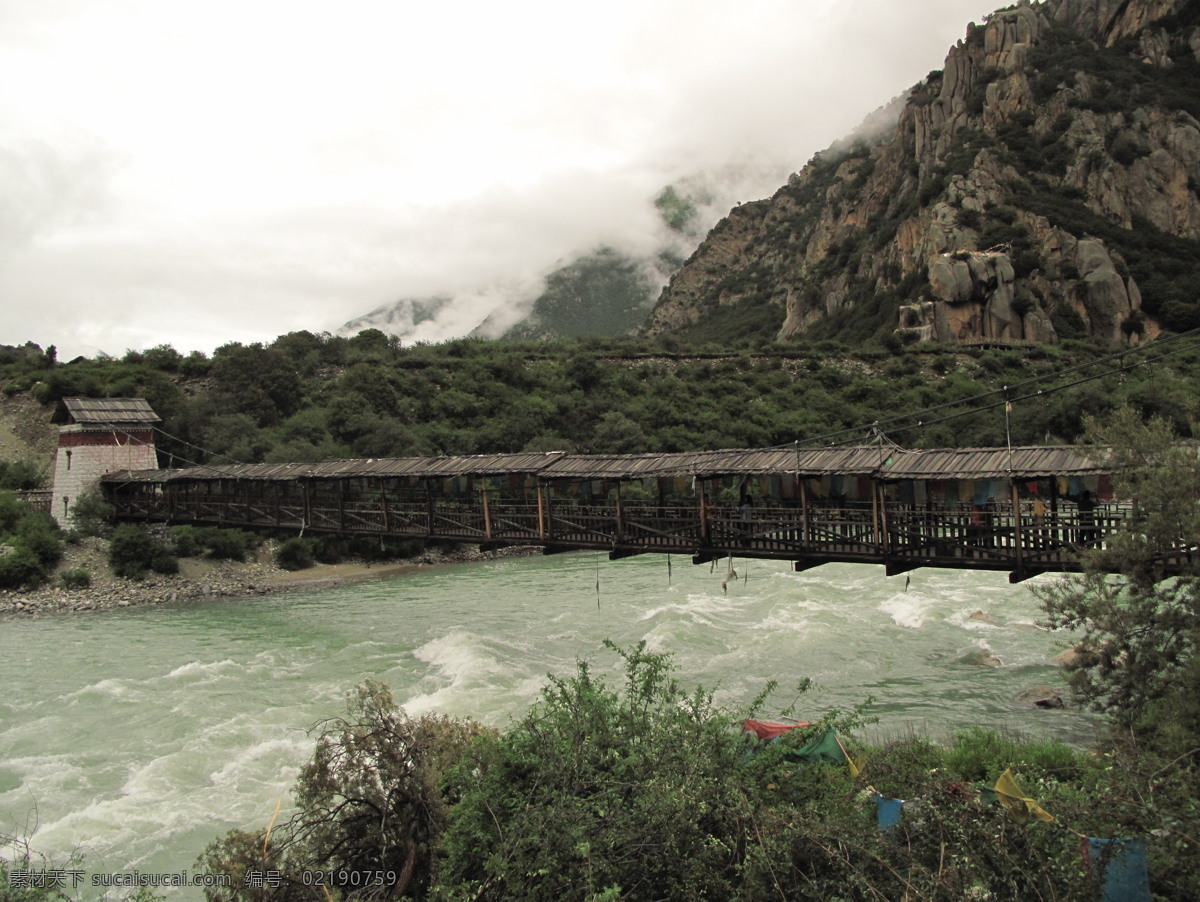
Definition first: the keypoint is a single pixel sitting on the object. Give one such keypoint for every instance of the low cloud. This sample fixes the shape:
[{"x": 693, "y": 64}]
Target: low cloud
[{"x": 262, "y": 169}]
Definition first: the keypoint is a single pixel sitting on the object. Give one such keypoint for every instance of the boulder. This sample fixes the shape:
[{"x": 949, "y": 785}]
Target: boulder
[
  {"x": 1066, "y": 657},
  {"x": 1041, "y": 697}
]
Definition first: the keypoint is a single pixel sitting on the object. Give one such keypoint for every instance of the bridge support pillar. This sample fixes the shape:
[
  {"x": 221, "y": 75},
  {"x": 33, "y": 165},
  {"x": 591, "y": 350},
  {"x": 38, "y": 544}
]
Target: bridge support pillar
[
  {"x": 619, "y": 553},
  {"x": 802, "y": 565},
  {"x": 1019, "y": 576},
  {"x": 895, "y": 568}
]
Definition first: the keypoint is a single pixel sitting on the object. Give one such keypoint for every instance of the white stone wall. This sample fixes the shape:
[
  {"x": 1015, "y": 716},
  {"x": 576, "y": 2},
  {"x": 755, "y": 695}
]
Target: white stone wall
[{"x": 78, "y": 469}]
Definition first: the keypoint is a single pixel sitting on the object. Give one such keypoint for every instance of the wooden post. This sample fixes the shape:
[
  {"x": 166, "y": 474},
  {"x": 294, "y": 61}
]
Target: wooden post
[
  {"x": 343, "y": 484},
  {"x": 1017, "y": 538},
  {"x": 1056, "y": 533},
  {"x": 387, "y": 523},
  {"x": 541, "y": 512},
  {"x": 620, "y": 525},
  {"x": 428, "y": 507},
  {"x": 307, "y": 519},
  {"x": 487, "y": 512},
  {"x": 805, "y": 531},
  {"x": 875, "y": 512},
  {"x": 883, "y": 519}
]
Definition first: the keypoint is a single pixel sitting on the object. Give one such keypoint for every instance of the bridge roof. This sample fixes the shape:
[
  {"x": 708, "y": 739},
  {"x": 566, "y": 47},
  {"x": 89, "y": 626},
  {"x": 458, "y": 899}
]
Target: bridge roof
[
  {"x": 712, "y": 464},
  {"x": 434, "y": 467},
  {"x": 993, "y": 463},
  {"x": 618, "y": 466},
  {"x": 886, "y": 462},
  {"x": 848, "y": 460}
]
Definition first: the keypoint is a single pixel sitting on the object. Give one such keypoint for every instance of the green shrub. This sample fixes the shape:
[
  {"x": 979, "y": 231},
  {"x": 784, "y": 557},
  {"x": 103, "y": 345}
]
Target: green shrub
[
  {"x": 21, "y": 475},
  {"x": 597, "y": 788},
  {"x": 226, "y": 544},
  {"x": 12, "y": 509},
  {"x": 40, "y": 533},
  {"x": 77, "y": 578},
  {"x": 133, "y": 552},
  {"x": 186, "y": 541},
  {"x": 891, "y": 768},
  {"x": 330, "y": 549},
  {"x": 164, "y": 562},
  {"x": 91, "y": 515},
  {"x": 979, "y": 754},
  {"x": 20, "y": 568},
  {"x": 213, "y": 541},
  {"x": 295, "y": 554}
]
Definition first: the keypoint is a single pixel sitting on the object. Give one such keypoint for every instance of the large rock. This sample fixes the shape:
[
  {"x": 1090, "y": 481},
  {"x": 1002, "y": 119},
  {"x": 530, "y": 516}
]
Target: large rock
[
  {"x": 1106, "y": 299},
  {"x": 1041, "y": 697}
]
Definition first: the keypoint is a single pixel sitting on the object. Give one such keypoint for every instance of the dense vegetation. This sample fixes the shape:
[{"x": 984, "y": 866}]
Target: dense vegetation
[
  {"x": 642, "y": 790},
  {"x": 30, "y": 541},
  {"x": 307, "y": 397}
]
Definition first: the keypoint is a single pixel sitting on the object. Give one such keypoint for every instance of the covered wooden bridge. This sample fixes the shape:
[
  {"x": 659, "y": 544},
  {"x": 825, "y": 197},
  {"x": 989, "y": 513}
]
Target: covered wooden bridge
[{"x": 1025, "y": 510}]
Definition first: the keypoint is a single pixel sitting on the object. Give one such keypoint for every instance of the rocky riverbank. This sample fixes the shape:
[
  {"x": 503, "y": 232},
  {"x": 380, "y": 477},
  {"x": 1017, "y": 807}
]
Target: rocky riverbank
[{"x": 200, "y": 579}]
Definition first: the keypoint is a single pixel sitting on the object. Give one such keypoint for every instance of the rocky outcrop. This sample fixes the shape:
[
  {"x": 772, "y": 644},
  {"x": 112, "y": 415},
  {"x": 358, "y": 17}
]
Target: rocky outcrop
[{"x": 1040, "y": 187}]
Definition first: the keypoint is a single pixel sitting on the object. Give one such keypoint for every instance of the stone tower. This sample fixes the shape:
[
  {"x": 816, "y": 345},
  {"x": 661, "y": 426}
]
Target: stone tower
[{"x": 97, "y": 436}]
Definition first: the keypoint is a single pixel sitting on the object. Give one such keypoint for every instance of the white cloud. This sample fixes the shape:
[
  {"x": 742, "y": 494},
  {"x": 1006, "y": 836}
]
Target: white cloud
[{"x": 195, "y": 173}]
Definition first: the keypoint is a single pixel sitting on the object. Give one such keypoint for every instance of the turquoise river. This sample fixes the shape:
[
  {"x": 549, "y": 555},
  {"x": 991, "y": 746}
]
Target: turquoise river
[{"x": 132, "y": 738}]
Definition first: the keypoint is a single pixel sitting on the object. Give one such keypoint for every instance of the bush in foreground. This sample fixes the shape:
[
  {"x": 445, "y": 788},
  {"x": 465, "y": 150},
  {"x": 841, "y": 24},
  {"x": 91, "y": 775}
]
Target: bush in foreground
[
  {"x": 369, "y": 802},
  {"x": 597, "y": 788},
  {"x": 643, "y": 791}
]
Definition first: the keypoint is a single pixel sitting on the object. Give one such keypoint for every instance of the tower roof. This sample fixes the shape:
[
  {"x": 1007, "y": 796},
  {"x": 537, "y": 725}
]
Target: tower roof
[{"x": 107, "y": 412}]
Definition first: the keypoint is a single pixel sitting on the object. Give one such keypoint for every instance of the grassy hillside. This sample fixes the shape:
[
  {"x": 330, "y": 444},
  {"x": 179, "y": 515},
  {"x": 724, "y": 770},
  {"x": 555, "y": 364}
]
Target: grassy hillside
[{"x": 308, "y": 397}]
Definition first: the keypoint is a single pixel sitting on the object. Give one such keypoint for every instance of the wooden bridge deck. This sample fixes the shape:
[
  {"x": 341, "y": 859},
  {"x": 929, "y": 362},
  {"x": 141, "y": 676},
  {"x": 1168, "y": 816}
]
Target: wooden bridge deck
[{"x": 906, "y": 511}]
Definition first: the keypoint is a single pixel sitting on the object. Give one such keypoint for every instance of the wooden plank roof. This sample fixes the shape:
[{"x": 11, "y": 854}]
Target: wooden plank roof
[
  {"x": 883, "y": 462},
  {"x": 994, "y": 463},
  {"x": 618, "y": 466},
  {"x": 108, "y": 411},
  {"x": 848, "y": 460},
  {"x": 432, "y": 467}
]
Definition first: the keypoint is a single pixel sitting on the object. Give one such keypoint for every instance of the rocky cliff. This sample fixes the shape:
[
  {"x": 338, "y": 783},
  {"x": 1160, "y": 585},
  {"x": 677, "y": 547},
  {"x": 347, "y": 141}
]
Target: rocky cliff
[{"x": 1041, "y": 186}]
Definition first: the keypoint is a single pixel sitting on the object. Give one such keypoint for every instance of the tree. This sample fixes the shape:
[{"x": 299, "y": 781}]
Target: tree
[
  {"x": 618, "y": 434},
  {"x": 370, "y": 808},
  {"x": 1140, "y": 629}
]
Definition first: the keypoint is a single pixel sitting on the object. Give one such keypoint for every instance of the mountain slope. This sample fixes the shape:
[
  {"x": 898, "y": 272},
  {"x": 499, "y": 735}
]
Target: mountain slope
[{"x": 1042, "y": 186}]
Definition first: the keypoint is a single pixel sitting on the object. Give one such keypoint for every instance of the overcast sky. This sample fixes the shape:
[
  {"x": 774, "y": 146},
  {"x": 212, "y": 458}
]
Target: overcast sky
[{"x": 194, "y": 173}]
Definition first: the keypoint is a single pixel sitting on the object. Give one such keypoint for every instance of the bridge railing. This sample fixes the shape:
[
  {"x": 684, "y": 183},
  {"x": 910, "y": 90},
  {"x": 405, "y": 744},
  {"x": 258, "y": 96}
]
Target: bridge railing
[{"x": 1026, "y": 539}]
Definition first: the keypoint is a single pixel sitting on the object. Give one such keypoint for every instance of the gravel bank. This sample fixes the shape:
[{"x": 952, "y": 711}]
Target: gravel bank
[{"x": 200, "y": 579}]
